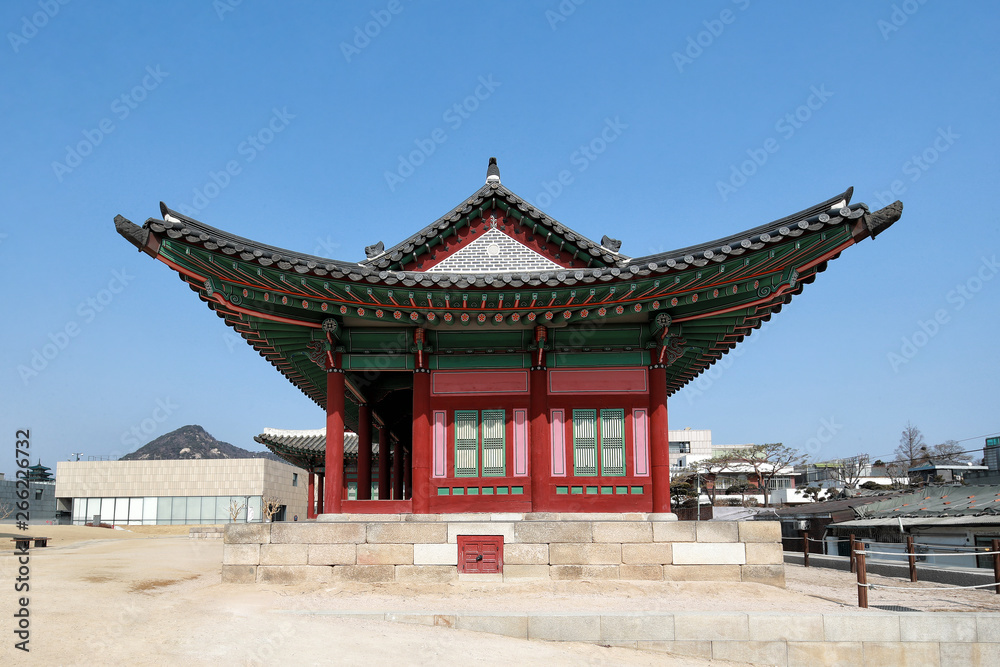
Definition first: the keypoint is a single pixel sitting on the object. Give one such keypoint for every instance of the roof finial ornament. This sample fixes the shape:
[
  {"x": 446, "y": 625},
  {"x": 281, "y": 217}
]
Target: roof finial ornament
[
  {"x": 614, "y": 245},
  {"x": 493, "y": 171},
  {"x": 372, "y": 251}
]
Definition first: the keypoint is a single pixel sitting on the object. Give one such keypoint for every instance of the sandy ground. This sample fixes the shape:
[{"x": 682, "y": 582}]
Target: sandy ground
[{"x": 103, "y": 597}]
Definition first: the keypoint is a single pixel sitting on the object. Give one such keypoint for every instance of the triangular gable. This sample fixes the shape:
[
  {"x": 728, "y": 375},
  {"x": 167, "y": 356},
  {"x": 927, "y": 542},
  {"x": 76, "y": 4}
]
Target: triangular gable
[{"x": 494, "y": 252}]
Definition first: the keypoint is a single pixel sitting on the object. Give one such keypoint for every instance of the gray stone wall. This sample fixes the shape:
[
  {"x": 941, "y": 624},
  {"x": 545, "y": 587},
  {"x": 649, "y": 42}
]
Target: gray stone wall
[{"x": 384, "y": 548}]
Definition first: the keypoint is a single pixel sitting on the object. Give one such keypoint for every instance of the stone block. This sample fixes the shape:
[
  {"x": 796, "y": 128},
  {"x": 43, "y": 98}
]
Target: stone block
[
  {"x": 293, "y": 574},
  {"x": 923, "y": 654},
  {"x": 937, "y": 627},
  {"x": 718, "y": 531},
  {"x": 712, "y": 626},
  {"x": 764, "y": 553},
  {"x": 702, "y": 573},
  {"x": 861, "y": 628},
  {"x": 241, "y": 554},
  {"x": 333, "y": 554},
  {"x": 365, "y": 573},
  {"x": 408, "y": 533},
  {"x": 709, "y": 553},
  {"x": 623, "y": 531},
  {"x": 653, "y": 553},
  {"x": 584, "y": 572},
  {"x": 385, "y": 554},
  {"x": 484, "y": 578},
  {"x": 239, "y": 574},
  {"x": 585, "y": 554},
  {"x": 439, "y": 620},
  {"x": 688, "y": 649},
  {"x": 965, "y": 654},
  {"x": 481, "y": 528},
  {"x": 770, "y": 575},
  {"x": 787, "y": 627},
  {"x": 641, "y": 572},
  {"x": 988, "y": 628},
  {"x": 506, "y": 625},
  {"x": 755, "y": 653},
  {"x": 317, "y": 533},
  {"x": 284, "y": 554},
  {"x": 525, "y": 572},
  {"x": 760, "y": 531},
  {"x": 582, "y": 628},
  {"x": 247, "y": 533},
  {"x": 674, "y": 531},
  {"x": 525, "y": 554},
  {"x": 534, "y": 532},
  {"x": 438, "y": 554},
  {"x": 839, "y": 654},
  {"x": 625, "y": 627},
  {"x": 426, "y": 574}
]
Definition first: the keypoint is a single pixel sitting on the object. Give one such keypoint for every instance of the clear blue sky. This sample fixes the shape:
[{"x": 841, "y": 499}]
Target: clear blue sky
[{"x": 110, "y": 107}]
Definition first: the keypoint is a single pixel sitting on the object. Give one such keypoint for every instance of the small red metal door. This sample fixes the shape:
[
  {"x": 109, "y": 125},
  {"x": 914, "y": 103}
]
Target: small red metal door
[{"x": 480, "y": 554}]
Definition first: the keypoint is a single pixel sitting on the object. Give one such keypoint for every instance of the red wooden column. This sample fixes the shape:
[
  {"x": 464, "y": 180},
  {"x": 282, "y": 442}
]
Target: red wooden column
[
  {"x": 659, "y": 438},
  {"x": 407, "y": 475},
  {"x": 384, "y": 467},
  {"x": 321, "y": 477},
  {"x": 364, "y": 452},
  {"x": 310, "y": 507},
  {"x": 540, "y": 441},
  {"x": 397, "y": 471},
  {"x": 334, "y": 440},
  {"x": 420, "y": 444}
]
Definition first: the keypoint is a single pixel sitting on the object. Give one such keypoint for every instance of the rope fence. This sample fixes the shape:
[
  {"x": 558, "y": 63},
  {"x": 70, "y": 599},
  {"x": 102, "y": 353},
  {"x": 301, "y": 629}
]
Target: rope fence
[{"x": 859, "y": 565}]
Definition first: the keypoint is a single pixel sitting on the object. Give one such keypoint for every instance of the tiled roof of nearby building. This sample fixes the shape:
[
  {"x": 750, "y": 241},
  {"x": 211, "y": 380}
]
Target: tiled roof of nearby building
[
  {"x": 938, "y": 501},
  {"x": 300, "y": 447}
]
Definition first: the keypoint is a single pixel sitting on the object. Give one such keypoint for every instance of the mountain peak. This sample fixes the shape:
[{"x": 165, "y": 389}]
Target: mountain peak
[{"x": 192, "y": 442}]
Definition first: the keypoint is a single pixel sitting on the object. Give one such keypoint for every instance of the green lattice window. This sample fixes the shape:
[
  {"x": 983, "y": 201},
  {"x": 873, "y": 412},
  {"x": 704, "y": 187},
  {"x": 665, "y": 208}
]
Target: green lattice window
[
  {"x": 466, "y": 443},
  {"x": 494, "y": 443},
  {"x": 471, "y": 435},
  {"x": 613, "y": 443},
  {"x": 584, "y": 443}
]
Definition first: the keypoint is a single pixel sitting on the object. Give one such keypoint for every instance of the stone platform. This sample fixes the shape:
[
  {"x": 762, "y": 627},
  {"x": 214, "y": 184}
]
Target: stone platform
[{"x": 424, "y": 548}]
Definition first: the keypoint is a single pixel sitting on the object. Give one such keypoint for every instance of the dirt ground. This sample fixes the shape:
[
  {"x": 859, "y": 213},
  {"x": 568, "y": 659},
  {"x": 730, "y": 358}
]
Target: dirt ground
[{"x": 152, "y": 598}]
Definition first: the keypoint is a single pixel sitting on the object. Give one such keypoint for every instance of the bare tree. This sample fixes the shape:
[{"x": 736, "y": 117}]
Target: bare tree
[
  {"x": 269, "y": 506},
  {"x": 849, "y": 471},
  {"x": 235, "y": 507},
  {"x": 898, "y": 472},
  {"x": 767, "y": 462},
  {"x": 950, "y": 450},
  {"x": 6, "y": 509},
  {"x": 912, "y": 447},
  {"x": 709, "y": 468}
]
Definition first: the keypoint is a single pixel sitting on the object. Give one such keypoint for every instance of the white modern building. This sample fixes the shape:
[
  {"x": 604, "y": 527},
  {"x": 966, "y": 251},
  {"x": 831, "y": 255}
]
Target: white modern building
[{"x": 188, "y": 491}]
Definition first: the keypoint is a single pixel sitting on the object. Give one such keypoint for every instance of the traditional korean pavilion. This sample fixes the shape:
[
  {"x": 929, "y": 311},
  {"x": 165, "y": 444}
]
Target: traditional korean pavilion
[{"x": 505, "y": 361}]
